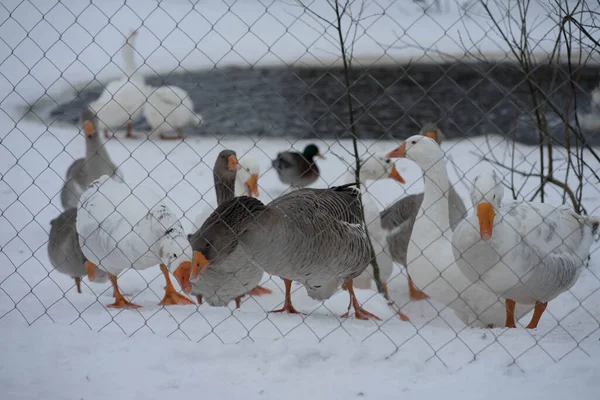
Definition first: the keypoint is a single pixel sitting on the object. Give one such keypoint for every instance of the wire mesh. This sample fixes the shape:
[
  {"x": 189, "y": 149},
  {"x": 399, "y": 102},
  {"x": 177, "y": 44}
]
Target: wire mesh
[{"x": 511, "y": 84}]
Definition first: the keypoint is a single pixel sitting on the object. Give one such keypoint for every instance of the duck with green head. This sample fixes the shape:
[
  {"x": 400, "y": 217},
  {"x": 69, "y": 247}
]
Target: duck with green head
[{"x": 298, "y": 169}]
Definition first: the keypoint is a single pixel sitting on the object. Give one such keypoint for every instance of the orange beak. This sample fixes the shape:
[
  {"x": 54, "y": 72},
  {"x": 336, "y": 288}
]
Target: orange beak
[
  {"x": 89, "y": 128},
  {"x": 232, "y": 164},
  {"x": 431, "y": 135},
  {"x": 395, "y": 175},
  {"x": 182, "y": 274},
  {"x": 252, "y": 186},
  {"x": 90, "y": 269},
  {"x": 399, "y": 152},
  {"x": 485, "y": 215},
  {"x": 199, "y": 266}
]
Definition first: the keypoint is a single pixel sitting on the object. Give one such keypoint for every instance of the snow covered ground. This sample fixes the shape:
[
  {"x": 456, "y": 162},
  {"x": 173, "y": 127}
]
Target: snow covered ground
[{"x": 76, "y": 348}]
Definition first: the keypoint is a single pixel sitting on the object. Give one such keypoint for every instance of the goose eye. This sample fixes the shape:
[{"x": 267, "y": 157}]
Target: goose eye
[
  {"x": 388, "y": 161},
  {"x": 174, "y": 255},
  {"x": 414, "y": 142},
  {"x": 494, "y": 197}
]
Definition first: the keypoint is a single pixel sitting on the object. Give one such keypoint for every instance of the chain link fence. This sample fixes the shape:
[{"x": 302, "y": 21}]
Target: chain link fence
[{"x": 512, "y": 85}]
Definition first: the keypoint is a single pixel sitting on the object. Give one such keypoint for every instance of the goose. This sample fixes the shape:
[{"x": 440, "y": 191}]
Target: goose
[
  {"x": 246, "y": 179},
  {"x": 298, "y": 169},
  {"x": 375, "y": 167},
  {"x": 170, "y": 108},
  {"x": 399, "y": 218},
  {"x": 234, "y": 277},
  {"x": 121, "y": 229},
  {"x": 64, "y": 251},
  {"x": 312, "y": 236},
  {"x": 84, "y": 171},
  {"x": 430, "y": 258},
  {"x": 522, "y": 251},
  {"x": 122, "y": 100}
]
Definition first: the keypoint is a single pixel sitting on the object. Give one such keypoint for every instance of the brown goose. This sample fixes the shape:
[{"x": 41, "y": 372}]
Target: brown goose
[
  {"x": 64, "y": 250},
  {"x": 399, "y": 218},
  {"x": 311, "y": 236},
  {"x": 236, "y": 277},
  {"x": 86, "y": 170},
  {"x": 298, "y": 170}
]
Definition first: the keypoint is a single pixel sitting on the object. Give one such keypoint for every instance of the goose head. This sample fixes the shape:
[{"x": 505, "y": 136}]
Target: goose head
[
  {"x": 422, "y": 150},
  {"x": 432, "y": 131},
  {"x": 226, "y": 164},
  {"x": 248, "y": 176},
  {"x": 89, "y": 124},
  {"x": 376, "y": 167},
  {"x": 486, "y": 194}
]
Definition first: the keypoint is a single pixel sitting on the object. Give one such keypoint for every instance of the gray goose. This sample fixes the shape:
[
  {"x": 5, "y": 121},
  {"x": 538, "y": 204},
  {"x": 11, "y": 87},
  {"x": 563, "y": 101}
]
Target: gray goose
[
  {"x": 84, "y": 171},
  {"x": 64, "y": 250},
  {"x": 399, "y": 218},
  {"x": 311, "y": 236},
  {"x": 298, "y": 169},
  {"x": 235, "y": 277}
]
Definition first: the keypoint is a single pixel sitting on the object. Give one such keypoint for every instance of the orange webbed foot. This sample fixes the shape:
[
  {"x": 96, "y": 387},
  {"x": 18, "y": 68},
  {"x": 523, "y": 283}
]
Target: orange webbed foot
[
  {"x": 362, "y": 314},
  {"x": 123, "y": 303},
  {"x": 259, "y": 291},
  {"x": 289, "y": 308},
  {"x": 174, "y": 298}
]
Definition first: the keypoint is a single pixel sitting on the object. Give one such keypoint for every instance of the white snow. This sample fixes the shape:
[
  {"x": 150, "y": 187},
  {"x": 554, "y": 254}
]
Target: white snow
[{"x": 77, "y": 348}]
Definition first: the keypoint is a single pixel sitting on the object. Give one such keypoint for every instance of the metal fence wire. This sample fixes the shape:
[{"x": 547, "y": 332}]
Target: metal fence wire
[{"x": 155, "y": 93}]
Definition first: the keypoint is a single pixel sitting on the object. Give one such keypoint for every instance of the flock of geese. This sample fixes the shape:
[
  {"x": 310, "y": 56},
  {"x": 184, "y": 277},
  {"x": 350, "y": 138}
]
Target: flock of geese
[{"x": 490, "y": 267}]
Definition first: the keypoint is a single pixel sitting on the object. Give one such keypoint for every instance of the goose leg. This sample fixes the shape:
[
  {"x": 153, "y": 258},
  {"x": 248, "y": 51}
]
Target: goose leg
[
  {"x": 259, "y": 291},
  {"x": 287, "y": 305},
  {"x": 130, "y": 131},
  {"x": 386, "y": 295},
  {"x": 238, "y": 302},
  {"x": 78, "y": 283},
  {"x": 537, "y": 314},
  {"x": 510, "y": 314},
  {"x": 199, "y": 298},
  {"x": 171, "y": 296},
  {"x": 413, "y": 292},
  {"x": 359, "y": 312},
  {"x": 120, "y": 301}
]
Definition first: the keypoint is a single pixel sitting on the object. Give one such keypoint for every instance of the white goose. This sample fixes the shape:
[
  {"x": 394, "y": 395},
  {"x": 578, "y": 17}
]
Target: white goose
[
  {"x": 430, "y": 259},
  {"x": 375, "y": 167},
  {"x": 170, "y": 108},
  {"x": 119, "y": 229},
  {"x": 122, "y": 100},
  {"x": 525, "y": 252}
]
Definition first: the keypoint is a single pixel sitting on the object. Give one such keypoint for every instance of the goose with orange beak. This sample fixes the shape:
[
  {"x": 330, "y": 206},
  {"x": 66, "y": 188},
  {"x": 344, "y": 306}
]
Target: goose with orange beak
[
  {"x": 528, "y": 253},
  {"x": 121, "y": 228},
  {"x": 220, "y": 278},
  {"x": 398, "y": 219},
  {"x": 430, "y": 258},
  {"x": 85, "y": 170}
]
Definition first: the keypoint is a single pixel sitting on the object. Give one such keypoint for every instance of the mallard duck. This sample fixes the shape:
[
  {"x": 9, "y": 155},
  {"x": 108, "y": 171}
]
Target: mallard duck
[
  {"x": 375, "y": 167},
  {"x": 399, "y": 218},
  {"x": 64, "y": 251},
  {"x": 121, "y": 229},
  {"x": 234, "y": 277},
  {"x": 311, "y": 236},
  {"x": 298, "y": 170},
  {"x": 525, "y": 252},
  {"x": 430, "y": 258},
  {"x": 170, "y": 108},
  {"x": 84, "y": 171},
  {"x": 122, "y": 100}
]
